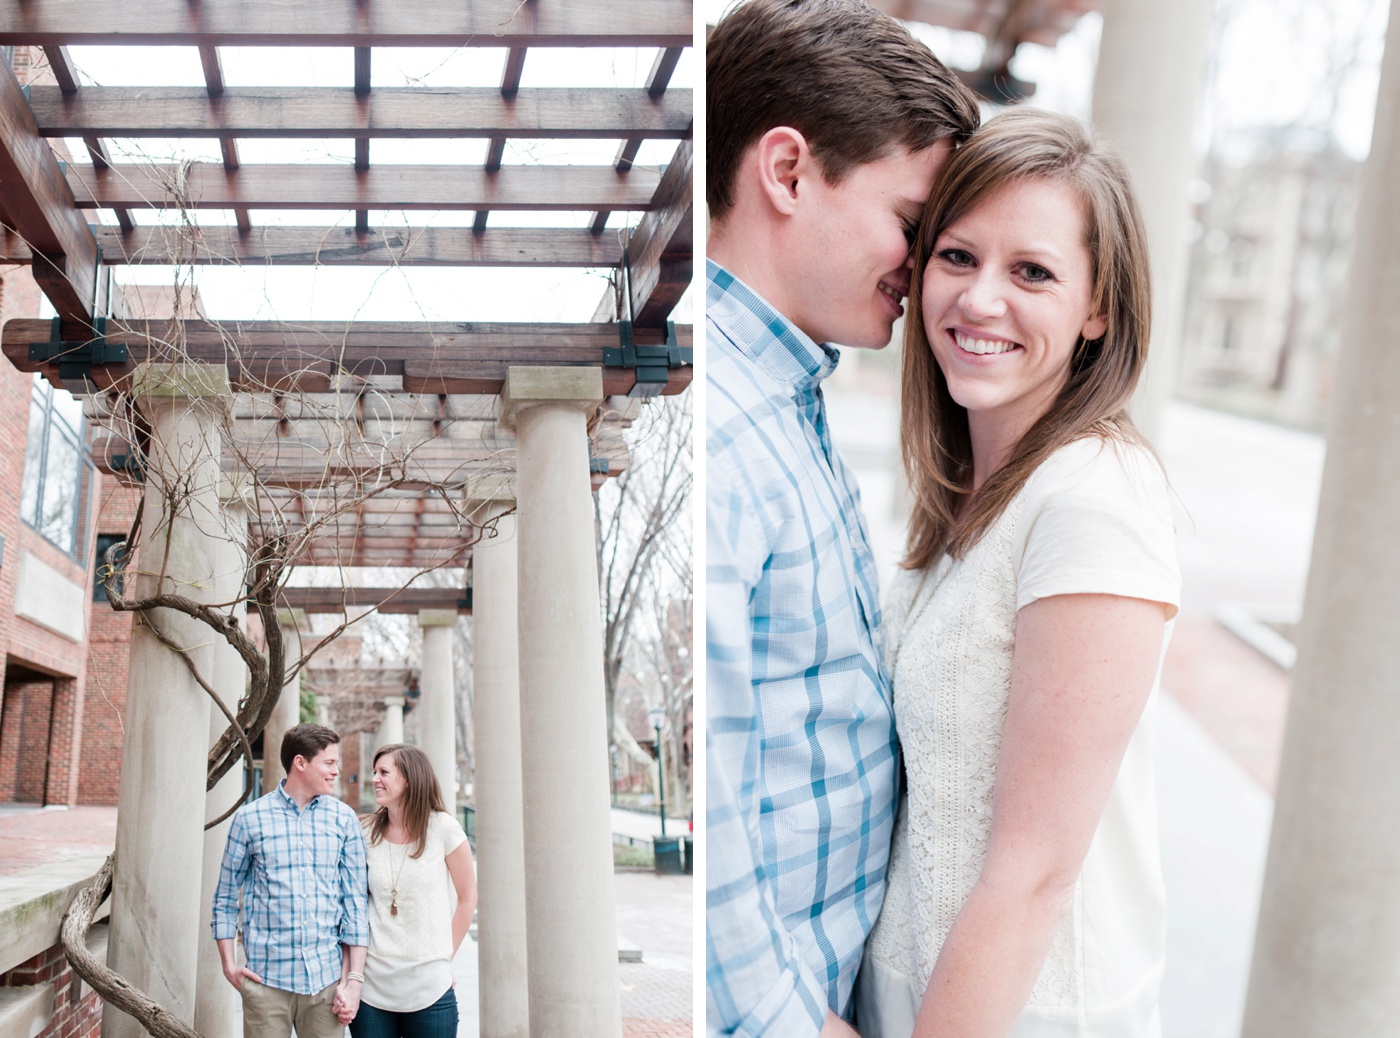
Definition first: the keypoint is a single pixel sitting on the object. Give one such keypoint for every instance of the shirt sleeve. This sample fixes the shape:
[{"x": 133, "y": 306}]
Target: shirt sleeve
[
  {"x": 1098, "y": 520},
  {"x": 233, "y": 874},
  {"x": 450, "y": 833},
  {"x": 354, "y": 886},
  {"x": 756, "y": 982}
]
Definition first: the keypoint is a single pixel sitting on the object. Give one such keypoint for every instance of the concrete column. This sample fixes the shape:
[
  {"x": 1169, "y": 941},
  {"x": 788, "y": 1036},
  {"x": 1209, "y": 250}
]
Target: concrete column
[
  {"x": 287, "y": 713},
  {"x": 438, "y": 724},
  {"x": 1145, "y": 90},
  {"x": 155, "y": 931},
  {"x": 503, "y": 992},
  {"x": 571, "y": 935},
  {"x": 1327, "y": 951},
  {"x": 390, "y": 728},
  {"x": 216, "y": 1003}
]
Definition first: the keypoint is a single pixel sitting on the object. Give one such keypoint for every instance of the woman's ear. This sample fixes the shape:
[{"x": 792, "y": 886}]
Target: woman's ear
[
  {"x": 1094, "y": 327},
  {"x": 783, "y": 161}
]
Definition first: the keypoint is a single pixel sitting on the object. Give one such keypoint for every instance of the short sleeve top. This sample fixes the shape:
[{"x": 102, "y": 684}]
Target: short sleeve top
[
  {"x": 1095, "y": 518},
  {"x": 409, "y": 963}
]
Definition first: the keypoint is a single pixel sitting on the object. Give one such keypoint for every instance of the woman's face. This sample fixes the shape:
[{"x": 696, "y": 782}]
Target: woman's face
[
  {"x": 1006, "y": 297},
  {"x": 389, "y": 783}
]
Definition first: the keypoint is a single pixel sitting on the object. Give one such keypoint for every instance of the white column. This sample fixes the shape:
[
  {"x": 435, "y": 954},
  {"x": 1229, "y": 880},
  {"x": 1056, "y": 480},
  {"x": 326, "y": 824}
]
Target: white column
[
  {"x": 287, "y": 713},
  {"x": 1327, "y": 951},
  {"x": 390, "y": 727},
  {"x": 1145, "y": 89},
  {"x": 216, "y": 1002},
  {"x": 571, "y": 920},
  {"x": 437, "y": 725},
  {"x": 155, "y": 932},
  {"x": 503, "y": 992}
]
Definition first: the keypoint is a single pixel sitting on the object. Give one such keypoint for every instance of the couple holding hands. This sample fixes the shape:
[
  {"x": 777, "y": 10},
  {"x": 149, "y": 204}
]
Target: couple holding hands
[
  {"x": 345, "y": 920},
  {"x": 934, "y": 817}
]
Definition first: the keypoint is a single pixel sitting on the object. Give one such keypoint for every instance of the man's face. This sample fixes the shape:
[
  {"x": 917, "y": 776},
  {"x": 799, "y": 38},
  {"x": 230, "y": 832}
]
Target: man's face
[
  {"x": 322, "y": 769},
  {"x": 852, "y": 240}
]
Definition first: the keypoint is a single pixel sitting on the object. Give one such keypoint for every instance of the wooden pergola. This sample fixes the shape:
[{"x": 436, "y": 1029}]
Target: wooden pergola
[
  {"x": 430, "y": 421},
  {"x": 429, "y": 388}
]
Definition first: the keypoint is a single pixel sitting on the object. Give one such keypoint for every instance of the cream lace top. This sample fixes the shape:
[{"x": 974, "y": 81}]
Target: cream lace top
[
  {"x": 1092, "y": 519},
  {"x": 409, "y": 962}
]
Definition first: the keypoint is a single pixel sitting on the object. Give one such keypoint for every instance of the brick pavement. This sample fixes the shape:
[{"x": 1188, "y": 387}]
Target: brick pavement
[
  {"x": 657, "y": 994},
  {"x": 31, "y": 836}
]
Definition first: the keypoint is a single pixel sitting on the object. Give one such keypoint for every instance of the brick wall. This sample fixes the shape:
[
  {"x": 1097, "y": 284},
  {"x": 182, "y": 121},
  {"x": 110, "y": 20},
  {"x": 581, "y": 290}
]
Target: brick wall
[
  {"x": 77, "y": 1010},
  {"x": 109, "y": 654}
]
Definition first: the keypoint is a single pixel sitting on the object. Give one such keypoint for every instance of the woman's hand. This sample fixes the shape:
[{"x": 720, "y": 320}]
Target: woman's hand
[
  {"x": 347, "y": 1000},
  {"x": 1082, "y": 670}
]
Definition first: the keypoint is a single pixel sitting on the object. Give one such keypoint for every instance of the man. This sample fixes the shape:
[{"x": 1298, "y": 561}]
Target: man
[
  {"x": 298, "y": 858},
  {"x": 827, "y": 123}
]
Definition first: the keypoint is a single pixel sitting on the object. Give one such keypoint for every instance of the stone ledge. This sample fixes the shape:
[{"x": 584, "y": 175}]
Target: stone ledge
[
  {"x": 24, "y": 1012},
  {"x": 32, "y": 904}
]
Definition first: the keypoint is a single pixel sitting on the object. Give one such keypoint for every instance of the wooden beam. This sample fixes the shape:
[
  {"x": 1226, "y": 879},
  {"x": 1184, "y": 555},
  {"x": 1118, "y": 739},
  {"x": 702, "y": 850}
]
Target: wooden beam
[
  {"x": 661, "y": 248},
  {"x": 39, "y": 205},
  {"x": 386, "y": 600},
  {"x": 567, "y": 113},
  {"x": 207, "y": 185},
  {"x": 657, "y": 81},
  {"x": 496, "y": 151},
  {"x": 346, "y": 23},
  {"x": 427, "y": 358}
]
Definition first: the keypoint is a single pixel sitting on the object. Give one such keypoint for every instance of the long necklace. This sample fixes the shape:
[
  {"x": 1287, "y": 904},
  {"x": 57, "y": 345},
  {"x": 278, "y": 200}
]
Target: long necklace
[{"x": 394, "y": 875}]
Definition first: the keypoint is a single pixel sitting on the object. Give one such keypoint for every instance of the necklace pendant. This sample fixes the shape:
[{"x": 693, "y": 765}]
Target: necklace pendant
[{"x": 393, "y": 908}]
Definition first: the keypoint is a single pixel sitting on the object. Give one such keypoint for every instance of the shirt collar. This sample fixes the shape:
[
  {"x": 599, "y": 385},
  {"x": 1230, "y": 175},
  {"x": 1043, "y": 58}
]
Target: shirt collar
[
  {"x": 289, "y": 801},
  {"x": 764, "y": 335}
]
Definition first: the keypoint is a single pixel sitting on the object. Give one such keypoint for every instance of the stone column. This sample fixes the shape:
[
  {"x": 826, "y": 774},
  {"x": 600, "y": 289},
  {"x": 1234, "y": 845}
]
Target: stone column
[
  {"x": 1149, "y": 74},
  {"x": 503, "y": 991},
  {"x": 155, "y": 933},
  {"x": 390, "y": 728},
  {"x": 287, "y": 712},
  {"x": 438, "y": 705},
  {"x": 216, "y": 1002},
  {"x": 1327, "y": 951},
  {"x": 571, "y": 920}
]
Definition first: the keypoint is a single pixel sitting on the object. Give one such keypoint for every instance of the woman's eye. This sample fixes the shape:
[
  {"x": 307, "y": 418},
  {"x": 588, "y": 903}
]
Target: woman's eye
[
  {"x": 1035, "y": 272},
  {"x": 956, "y": 257}
]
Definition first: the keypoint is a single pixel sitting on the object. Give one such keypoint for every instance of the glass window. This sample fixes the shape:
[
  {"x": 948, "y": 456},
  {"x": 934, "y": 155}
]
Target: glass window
[{"x": 57, "y": 472}]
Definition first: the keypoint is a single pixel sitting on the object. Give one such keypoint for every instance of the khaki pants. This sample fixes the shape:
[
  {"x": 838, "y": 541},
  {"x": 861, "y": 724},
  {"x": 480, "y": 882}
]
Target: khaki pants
[{"x": 272, "y": 1012}]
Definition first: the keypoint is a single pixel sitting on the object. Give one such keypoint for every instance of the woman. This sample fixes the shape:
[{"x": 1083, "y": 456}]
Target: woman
[
  {"x": 417, "y": 854},
  {"x": 1025, "y": 893}
]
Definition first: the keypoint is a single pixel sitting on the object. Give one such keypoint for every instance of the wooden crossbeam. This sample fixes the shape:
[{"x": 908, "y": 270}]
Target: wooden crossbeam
[
  {"x": 385, "y": 600},
  {"x": 657, "y": 81},
  {"x": 38, "y": 205},
  {"x": 496, "y": 151},
  {"x": 343, "y": 246},
  {"x": 427, "y": 358},
  {"x": 346, "y": 23},
  {"x": 660, "y": 249},
  {"x": 571, "y": 113},
  {"x": 206, "y": 185}
]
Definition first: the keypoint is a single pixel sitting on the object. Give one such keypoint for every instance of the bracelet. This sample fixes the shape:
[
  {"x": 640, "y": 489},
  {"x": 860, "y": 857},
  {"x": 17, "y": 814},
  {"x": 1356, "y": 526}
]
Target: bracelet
[{"x": 355, "y": 976}]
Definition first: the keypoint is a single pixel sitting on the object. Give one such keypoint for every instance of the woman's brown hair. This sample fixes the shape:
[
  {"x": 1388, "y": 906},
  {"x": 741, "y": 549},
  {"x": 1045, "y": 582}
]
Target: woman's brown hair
[
  {"x": 421, "y": 796},
  {"x": 1024, "y": 144}
]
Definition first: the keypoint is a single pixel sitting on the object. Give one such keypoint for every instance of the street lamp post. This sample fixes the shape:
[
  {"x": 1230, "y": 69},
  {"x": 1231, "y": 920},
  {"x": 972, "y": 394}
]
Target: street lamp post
[{"x": 657, "y": 717}]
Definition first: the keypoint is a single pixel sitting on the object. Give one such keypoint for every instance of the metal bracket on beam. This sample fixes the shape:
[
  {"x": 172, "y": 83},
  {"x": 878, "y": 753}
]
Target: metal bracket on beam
[
  {"x": 653, "y": 364},
  {"x": 76, "y": 359},
  {"x": 465, "y": 602}
]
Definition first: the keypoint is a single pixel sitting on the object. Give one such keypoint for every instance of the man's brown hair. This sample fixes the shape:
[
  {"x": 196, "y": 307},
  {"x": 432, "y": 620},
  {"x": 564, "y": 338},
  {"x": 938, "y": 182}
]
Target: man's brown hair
[
  {"x": 850, "y": 79},
  {"x": 305, "y": 740}
]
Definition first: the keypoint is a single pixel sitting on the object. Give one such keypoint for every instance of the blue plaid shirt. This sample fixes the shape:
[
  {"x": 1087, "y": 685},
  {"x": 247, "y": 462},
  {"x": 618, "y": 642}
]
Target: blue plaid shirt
[
  {"x": 305, "y": 888},
  {"x": 801, "y": 765}
]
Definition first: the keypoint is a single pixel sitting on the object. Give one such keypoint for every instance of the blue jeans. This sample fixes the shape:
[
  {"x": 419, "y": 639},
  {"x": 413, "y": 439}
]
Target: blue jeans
[{"x": 438, "y": 1020}]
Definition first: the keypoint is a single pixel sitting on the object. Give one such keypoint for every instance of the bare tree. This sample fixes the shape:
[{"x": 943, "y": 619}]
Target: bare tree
[{"x": 643, "y": 543}]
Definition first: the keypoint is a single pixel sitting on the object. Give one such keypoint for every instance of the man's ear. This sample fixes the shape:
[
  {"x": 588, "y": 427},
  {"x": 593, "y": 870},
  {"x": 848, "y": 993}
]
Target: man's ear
[
  {"x": 784, "y": 160},
  {"x": 299, "y": 763}
]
